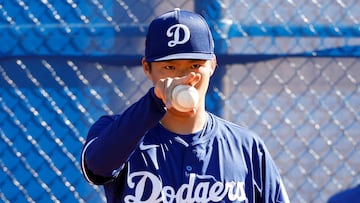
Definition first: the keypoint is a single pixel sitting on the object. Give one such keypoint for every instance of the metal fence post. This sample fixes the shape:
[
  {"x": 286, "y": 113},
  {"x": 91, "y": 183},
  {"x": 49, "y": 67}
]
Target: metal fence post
[{"x": 214, "y": 13}]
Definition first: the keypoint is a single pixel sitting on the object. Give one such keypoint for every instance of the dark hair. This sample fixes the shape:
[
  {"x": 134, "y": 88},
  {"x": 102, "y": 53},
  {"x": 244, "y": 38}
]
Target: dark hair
[{"x": 149, "y": 65}]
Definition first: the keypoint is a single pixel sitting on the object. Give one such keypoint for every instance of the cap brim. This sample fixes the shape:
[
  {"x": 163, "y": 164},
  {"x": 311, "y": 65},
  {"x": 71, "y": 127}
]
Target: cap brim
[{"x": 193, "y": 56}]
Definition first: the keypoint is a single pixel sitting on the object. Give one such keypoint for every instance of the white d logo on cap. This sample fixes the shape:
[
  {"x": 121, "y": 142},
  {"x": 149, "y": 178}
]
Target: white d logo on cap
[{"x": 174, "y": 31}]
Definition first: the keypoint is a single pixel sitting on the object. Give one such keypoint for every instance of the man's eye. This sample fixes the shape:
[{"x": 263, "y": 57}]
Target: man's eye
[
  {"x": 170, "y": 67},
  {"x": 195, "y": 66}
]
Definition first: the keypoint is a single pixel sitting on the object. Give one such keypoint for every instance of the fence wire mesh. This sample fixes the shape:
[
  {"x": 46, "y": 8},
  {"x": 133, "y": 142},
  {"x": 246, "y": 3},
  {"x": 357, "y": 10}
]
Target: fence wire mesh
[{"x": 288, "y": 70}]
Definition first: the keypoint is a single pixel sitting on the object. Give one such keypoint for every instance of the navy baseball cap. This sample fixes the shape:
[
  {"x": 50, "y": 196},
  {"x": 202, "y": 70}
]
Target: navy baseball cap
[{"x": 179, "y": 34}]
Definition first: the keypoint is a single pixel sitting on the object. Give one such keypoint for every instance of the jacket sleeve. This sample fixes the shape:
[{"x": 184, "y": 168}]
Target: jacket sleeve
[
  {"x": 112, "y": 139},
  {"x": 269, "y": 187}
]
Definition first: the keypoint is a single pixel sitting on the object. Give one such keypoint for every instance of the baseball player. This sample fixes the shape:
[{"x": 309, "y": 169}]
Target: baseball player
[
  {"x": 153, "y": 152},
  {"x": 350, "y": 195}
]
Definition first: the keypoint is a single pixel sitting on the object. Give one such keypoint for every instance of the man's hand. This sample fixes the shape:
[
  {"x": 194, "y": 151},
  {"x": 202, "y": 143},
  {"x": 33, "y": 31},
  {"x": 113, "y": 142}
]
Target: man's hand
[{"x": 165, "y": 86}]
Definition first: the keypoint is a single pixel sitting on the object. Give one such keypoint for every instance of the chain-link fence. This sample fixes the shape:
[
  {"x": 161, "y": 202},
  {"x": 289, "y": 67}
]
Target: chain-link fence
[{"x": 288, "y": 70}]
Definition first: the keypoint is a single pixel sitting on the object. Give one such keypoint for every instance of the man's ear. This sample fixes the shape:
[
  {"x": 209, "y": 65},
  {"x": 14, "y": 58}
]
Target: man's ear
[
  {"x": 213, "y": 66},
  {"x": 146, "y": 68}
]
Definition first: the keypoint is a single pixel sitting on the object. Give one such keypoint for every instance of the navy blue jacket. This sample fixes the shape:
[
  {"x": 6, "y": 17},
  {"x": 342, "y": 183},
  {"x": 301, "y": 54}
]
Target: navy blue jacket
[{"x": 138, "y": 160}]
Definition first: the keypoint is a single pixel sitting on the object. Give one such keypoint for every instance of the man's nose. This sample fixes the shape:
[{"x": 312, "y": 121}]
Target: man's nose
[{"x": 183, "y": 73}]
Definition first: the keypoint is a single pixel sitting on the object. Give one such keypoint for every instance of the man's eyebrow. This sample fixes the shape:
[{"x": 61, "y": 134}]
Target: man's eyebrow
[{"x": 179, "y": 61}]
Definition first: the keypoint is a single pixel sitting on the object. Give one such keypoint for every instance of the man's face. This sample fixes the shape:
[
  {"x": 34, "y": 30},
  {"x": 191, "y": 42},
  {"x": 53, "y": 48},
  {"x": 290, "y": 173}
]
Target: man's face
[{"x": 180, "y": 68}]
